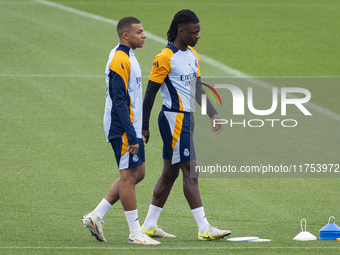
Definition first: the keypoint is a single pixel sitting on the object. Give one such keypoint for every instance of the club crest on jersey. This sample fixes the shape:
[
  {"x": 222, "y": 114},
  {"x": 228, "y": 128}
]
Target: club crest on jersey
[
  {"x": 186, "y": 152},
  {"x": 135, "y": 158}
]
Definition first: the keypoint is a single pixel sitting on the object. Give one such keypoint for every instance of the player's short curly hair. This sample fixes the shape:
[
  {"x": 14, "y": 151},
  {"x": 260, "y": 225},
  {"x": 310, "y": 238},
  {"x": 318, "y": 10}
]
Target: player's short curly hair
[
  {"x": 182, "y": 17},
  {"x": 125, "y": 23}
]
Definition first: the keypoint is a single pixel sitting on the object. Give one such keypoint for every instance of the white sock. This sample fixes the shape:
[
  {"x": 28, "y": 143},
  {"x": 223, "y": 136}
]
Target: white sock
[
  {"x": 200, "y": 218},
  {"x": 102, "y": 208},
  {"x": 132, "y": 219},
  {"x": 152, "y": 217}
]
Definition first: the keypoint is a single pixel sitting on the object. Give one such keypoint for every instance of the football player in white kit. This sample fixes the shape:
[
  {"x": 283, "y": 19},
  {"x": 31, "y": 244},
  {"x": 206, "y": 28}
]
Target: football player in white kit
[
  {"x": 176, "y": 72},
  {"x": 123, "y": 129}
]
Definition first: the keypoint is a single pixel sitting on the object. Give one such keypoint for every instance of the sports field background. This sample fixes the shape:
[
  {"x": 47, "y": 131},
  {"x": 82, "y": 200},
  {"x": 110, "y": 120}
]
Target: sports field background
[{"x": 55, "y": 165}]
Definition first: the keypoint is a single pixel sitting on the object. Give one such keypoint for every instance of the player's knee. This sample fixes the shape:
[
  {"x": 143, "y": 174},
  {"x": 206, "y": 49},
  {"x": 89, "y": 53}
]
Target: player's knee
[
  {"x": 189, "y": 180},
  {"x": 128, "y": 175},
  {"x": 171, "y": 176},
  {"x": 140, "y": 177}
]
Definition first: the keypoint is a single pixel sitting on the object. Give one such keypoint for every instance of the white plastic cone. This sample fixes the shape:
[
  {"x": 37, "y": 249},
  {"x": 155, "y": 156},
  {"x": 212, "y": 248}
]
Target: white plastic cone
[{"x": 304, "y": 235}]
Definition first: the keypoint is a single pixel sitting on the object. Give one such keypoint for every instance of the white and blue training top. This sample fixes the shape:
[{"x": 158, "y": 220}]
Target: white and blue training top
[{"x": 124, "y": 95}]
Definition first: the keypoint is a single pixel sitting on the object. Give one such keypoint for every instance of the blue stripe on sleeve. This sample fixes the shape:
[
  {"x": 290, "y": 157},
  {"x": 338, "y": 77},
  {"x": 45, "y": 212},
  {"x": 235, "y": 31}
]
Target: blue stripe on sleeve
[{"x": 120, "y": 112}]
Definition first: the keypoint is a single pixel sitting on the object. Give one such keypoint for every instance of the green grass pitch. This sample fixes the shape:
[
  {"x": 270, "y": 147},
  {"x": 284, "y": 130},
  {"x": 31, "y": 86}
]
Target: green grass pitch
[{"x": 55, "y": 165}]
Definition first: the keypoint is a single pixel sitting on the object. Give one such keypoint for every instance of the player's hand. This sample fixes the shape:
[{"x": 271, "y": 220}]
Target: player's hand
[
  {"x": 146, "y": 135},
  {"x": 218, "y": 127},
  {"x": 133, "y": 149}
]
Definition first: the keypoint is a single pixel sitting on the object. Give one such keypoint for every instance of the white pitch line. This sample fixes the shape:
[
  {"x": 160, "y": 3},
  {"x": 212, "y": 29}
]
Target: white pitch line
[
  {"x": 204, "y": 58},
  {"x": 164, "y": 248},
  {"x": 150, "y": 35},
  {"x": 53, "y": 75},
  {"x": 81, "y": 13},
  {"x": 71, "y": 75}
]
